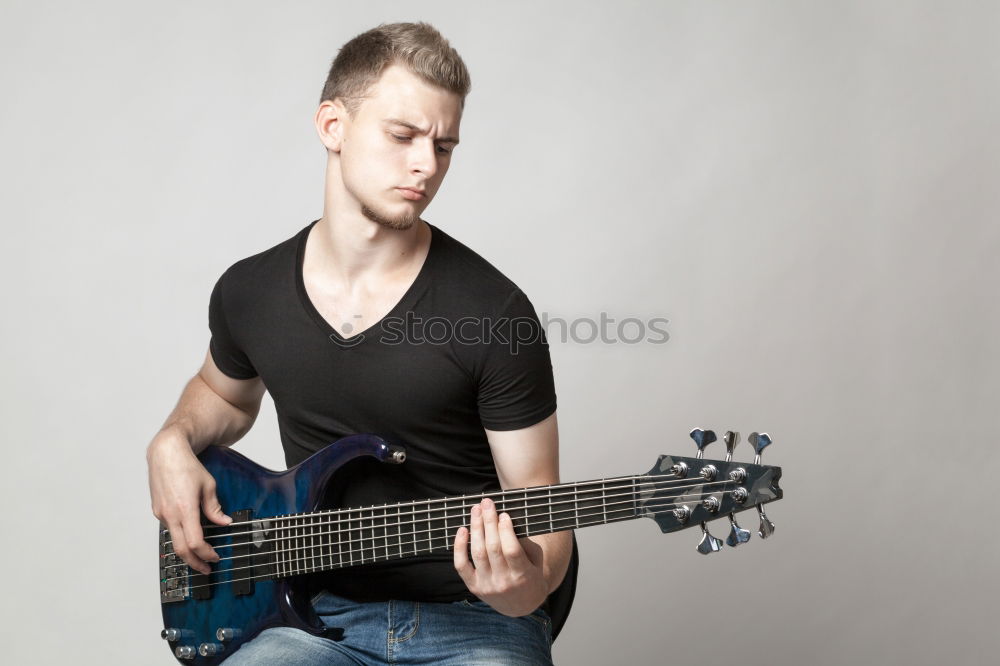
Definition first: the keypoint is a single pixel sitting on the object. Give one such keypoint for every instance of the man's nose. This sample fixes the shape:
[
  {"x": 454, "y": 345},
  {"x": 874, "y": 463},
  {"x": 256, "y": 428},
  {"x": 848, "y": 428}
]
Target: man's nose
[{"x": 424, "y": 158}]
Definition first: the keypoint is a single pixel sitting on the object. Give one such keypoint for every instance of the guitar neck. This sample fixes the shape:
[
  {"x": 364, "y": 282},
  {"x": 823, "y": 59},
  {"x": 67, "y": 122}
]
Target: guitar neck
[{"x": 325, "y": 540}]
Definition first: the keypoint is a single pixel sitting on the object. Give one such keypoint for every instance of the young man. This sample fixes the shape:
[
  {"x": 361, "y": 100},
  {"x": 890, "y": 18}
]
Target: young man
[{"x": 371, "y": 320}]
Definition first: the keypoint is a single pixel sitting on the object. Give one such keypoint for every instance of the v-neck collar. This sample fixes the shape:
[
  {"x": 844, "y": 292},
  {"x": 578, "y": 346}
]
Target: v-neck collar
[{"x": 406, "y": 302}]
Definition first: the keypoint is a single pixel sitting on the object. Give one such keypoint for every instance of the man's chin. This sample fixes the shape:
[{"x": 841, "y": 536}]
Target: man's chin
[{"x": 401, "y": 223}]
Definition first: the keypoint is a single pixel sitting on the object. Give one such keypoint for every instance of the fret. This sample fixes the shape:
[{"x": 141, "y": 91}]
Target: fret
[
  {"x": 447, "y": 531},
  {"x": 385, "y": 531},
  {"x": 552, "y": 527},
  {"x": 324, "y": 542},
  {"x": 538, "y": 509},
  {"x": 635, "y": 498},
  {"x": 279, "y": 563},
  {"x": 303, "y": 554},
  {"x": 324, "y": 538},
  {"x": 290, "y": 553},
  {"x": 319, "y": 530},
  {"x": 350, "y": 539},
  {"x": 382, "y": 531},
  {"x": 334, "y": 535},
  {"x": 290, "y": 535},
  {"x": 312, "y": 542},
  {"x": 300, "y": 545},
  {"x": 340, "y": 538},
  {"x": 371, "y": 528},
  {"x": 371, "y": 524},
  {"x": 576, "y": 504},
  {"x": 465, "y": 514},
  {"x": 292, "y": 560},
  {"x": 317, "y": 541},
  {"x": 429, "y": 532},
  {"x": 286, "y": 545},
  {"x": 412, "y": 527},
  {"x": 400, "y": 530},
  {"x": 604, "y": 501},
  {"x": 437, "y": 518},
  {"x": 389, "y": 523},
  {"x": 527, "y": 520},
  {"x": 302, "y": 551},
  {"x": 283, "y": 550}
]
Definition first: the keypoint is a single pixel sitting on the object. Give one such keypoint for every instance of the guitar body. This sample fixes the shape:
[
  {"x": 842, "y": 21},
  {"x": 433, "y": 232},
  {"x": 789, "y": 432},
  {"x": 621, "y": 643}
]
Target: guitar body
[{"x": 243, "y": 488}]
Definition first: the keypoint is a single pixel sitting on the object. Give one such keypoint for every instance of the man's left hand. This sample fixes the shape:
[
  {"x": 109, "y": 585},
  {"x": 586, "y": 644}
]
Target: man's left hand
[{"x": 505, "y": 572}]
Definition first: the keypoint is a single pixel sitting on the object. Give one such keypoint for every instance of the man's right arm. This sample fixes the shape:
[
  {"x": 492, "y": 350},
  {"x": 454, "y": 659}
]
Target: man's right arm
[{"x": 213, "y": 409}]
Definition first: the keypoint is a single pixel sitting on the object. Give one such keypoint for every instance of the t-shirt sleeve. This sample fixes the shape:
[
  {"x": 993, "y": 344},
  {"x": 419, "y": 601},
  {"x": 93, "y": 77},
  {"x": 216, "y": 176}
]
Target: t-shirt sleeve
[
  {"x": 516, "y": 387},
  {"x": 226, "y": 353}
]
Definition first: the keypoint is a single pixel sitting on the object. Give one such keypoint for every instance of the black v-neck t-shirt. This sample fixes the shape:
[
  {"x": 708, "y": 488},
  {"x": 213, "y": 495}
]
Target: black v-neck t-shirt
[{"x": 461, "y": 351}]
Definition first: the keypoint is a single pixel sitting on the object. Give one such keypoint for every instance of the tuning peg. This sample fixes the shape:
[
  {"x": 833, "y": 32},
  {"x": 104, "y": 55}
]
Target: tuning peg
[
  {"x": 766, "y": 526},
  {"x": 737, "y": 534},
  {"x": 759, "y": 441},
  {"x": 731, "y": 438},
  {"x": 702, "y": 438},
  {"x": 709, "y": 544}
]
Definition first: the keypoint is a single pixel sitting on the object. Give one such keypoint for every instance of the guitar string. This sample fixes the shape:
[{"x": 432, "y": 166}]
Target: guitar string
[
  {"x": 448, "y": 530},
  {"x": 513, "y": 504},
  {"x": 533, "y": 521},
  {"x": 458, "y": 513},
  {"x": 431, "y": 532},
  {"x": 516, "y": 495},
  {"x": 425, "y": 503},
  {"x": 314, "y": 569},
  {"x": 308, "y": 526}
]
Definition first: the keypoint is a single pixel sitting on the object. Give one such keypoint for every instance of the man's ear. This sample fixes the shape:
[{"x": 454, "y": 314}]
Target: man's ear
[{"x": 329, "y": 122}]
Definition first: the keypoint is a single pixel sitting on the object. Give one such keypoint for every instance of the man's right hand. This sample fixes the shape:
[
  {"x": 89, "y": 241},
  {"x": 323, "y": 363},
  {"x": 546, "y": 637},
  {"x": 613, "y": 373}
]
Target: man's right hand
[{"x": 182, "y": 489}]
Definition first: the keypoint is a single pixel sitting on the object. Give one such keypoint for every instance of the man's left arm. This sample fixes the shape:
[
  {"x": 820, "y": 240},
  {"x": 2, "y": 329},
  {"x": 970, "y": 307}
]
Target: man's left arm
[{"x": 515, "y": 575}]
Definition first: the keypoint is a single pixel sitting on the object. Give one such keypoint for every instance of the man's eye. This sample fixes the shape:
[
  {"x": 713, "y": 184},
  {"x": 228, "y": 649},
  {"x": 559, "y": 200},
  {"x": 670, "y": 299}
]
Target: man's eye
[{"x": 403, "y": 139}]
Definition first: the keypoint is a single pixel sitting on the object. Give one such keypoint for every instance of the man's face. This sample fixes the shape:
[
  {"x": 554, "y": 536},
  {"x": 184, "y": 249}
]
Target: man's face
[{"x": 402, "y": 137}]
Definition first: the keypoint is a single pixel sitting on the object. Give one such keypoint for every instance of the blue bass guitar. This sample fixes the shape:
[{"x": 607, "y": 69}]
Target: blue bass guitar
[{"x": 280, "y": 530}]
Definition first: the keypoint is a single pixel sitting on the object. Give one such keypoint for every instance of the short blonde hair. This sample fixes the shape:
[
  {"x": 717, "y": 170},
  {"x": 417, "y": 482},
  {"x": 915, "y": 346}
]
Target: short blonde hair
[{"x": 417, "y": 46}]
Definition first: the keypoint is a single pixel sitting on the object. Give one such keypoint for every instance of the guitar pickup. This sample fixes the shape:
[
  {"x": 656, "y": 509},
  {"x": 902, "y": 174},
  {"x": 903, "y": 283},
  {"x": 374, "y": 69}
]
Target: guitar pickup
[{"x": 247, "y": 541}]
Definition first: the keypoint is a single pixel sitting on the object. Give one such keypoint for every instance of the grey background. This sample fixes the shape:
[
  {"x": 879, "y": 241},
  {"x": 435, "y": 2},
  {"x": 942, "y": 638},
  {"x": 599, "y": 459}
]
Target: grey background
[{"x": 807, "y": 190}]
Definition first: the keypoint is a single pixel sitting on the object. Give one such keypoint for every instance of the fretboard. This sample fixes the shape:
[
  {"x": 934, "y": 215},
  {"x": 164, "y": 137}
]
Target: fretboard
[{"x": 324, "y": 540}]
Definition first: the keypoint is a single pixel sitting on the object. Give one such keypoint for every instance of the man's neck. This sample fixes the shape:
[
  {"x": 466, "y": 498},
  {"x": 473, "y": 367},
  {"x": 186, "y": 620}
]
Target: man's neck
[{"x": 354, "y": 251}]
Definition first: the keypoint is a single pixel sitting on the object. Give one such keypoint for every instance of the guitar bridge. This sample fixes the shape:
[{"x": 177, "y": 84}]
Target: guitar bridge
[{"x": 174, "y": 582}]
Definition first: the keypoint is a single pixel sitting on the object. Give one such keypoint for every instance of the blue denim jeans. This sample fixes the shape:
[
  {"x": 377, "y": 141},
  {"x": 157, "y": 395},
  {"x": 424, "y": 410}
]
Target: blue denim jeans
[{"x": 462, "y": 633}]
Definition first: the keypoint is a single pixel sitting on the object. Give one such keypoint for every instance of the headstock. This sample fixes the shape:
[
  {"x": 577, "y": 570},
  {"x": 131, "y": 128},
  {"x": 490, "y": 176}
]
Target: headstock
[{"x": 684, "y": 492}]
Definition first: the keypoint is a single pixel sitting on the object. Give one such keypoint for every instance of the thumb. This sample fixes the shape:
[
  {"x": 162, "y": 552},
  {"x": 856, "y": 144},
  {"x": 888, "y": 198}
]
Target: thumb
[{"x": 212, "y": 508}]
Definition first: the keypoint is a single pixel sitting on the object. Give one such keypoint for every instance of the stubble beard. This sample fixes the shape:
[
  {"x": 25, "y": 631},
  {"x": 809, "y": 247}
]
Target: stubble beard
[{"x": 399, "y": 223}]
